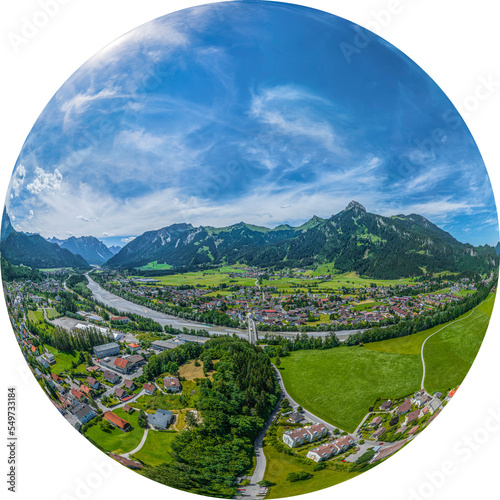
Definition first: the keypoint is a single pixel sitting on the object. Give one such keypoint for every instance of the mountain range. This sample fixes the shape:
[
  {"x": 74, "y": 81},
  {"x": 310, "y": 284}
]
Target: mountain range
[
  {"x": 352, "y": 240},
  {"x": 91, "y": 249}
]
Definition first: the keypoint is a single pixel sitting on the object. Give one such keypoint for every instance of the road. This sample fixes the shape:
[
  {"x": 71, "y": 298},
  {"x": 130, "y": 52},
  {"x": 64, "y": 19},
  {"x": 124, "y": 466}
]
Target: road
[
  {"x": 253, "y": 489},
  {"x": 141, "y": 444},
  {"x": 111, "y": 300}
]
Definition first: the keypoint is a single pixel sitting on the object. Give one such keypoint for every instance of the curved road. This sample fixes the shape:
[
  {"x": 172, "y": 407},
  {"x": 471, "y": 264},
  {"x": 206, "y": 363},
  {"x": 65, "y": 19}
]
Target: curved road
[
  {"x": 141, "y": 444},
  {"x": 111, "y": 300},
  {"x": 306, "y": 413},
  {"x": 440, "y": 330}
]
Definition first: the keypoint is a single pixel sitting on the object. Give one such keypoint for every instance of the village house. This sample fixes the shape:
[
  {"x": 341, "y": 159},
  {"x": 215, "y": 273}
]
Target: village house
[
  {"x": 411, "y": 417},
  {"x": 42, "y": 361},
  {"x": 328, "y": 450},
  {"x": 404, "y": 408},
  {"x": 295, "y": 417},
  {"x": 122, "y": 365},
  {"x": 84, "y": 413},
  {"x": 129, "y": 384},
  {"x": 149, "y": 389},
  {"x": 92, "y": 382},
  {"x": 161, "y": 419},
  {"x": 376, "y": 421},
  {"x": 120, "y": 393},
  {"x": 111, "y": 376},
  {"x": 131, "y": 464},
  {"x": 386, "y": 452},
  {"x": 136, "y": 360},
  {"x": 309, "y": 434},
  {"x": 386, "y": 405},
  {"x": 117, "y": 421},
  {"x": 78, "y": 395},
  {"x": 378, "y": 433},
  {"x": 85, "y": 389},
  {"x": 172, "y": 384},
  {"x": 434, "y": 405},
  {"x": 420, "y": 398}
]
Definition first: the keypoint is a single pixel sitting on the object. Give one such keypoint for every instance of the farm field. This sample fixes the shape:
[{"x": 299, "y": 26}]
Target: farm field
[
  {"x": 206, "y": 278},
  {"x": 391, "y": 368},
  {"x": 280, "y": 465},
  {"x": 155, "y": 450},
  {"x": 116, "y": 440},
  {"x": 284, "y": 285},
  {"x": 450, "y": 353},
  {"x": 356, "y": 378}
]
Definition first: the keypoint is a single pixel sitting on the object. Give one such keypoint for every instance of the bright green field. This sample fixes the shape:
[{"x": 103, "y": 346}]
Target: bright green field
[
  {"x": 52, "y": 313},
  {"x": 63, "y": 360},
  {"x": 152, "y": 266},
  {"x": 155, "y": 450},
  {"x": 450, "y": 353},
  {"x": 212, "y": 278},
  {"x": 358, "y": 376},
  {"x": 118, "y": 441},
  {"x": 35, "y": 316},
  {"x": 339, "y": 385},
  {"x": 280, "y": 465}
]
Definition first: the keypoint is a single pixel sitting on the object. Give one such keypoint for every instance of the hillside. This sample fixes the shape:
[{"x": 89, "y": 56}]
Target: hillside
[
  {"x": 90, "y": 248},
  {"x": 34, "y": 251},
  {"x": 355, "y": 240}
]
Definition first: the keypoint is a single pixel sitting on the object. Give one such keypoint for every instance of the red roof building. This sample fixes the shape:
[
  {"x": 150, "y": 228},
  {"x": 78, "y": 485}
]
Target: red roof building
[{"x": 116, "y": 421}]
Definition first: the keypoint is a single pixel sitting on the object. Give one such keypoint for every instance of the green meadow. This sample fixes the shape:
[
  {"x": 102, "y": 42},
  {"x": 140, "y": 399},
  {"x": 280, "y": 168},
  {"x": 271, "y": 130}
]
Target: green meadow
[{"x": 339, "y": 385}]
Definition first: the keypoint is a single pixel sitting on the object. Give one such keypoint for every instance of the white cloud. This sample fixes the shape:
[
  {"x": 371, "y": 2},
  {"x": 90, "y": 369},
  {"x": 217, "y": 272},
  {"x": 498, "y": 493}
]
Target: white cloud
[
  {"x": 45, "y": 181},
  {"x": 31, "y": 214},
  {"x": 292, "y": 112},
  {"x": 79, "y": 103},
  {"x": 18, "y": 180},
  {"x": 128, "y": 240}
]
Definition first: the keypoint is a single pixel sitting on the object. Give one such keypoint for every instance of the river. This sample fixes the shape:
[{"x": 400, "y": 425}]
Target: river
[{"x": 123, "y": 305}]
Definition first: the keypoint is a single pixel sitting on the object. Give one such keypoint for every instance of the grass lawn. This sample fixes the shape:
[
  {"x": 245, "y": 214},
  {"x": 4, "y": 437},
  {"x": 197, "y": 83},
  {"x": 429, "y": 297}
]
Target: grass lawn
[
  {"x": 118, "y": 441},
  {"x": 63, "y": 360},
  {"x": 280, "y": 465},
  {"x": 35, "y": 316},
  {"x": 155, "y": 450},
  {"x": 392, "y": 368},
  {"x": 450, "y": 353},
  {"x": 52, "y": 313},
  {"x": 356, "y": 378},
  {"x": 189, "y": 371}
]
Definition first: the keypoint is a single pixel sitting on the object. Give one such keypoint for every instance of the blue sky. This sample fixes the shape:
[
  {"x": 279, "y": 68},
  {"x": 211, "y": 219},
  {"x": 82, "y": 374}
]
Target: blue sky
[{"x": 247, "y": 111}]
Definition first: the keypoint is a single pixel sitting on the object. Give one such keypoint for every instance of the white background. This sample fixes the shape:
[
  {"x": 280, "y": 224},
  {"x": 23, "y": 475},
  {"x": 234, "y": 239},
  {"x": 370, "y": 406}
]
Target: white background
[{"x": 456, "y": 42}]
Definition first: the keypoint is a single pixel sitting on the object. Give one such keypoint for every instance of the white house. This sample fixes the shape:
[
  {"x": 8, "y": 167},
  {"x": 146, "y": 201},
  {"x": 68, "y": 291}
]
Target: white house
[
  {"x": 326, "y": 451},
  {"x": 297, "y": 437}
]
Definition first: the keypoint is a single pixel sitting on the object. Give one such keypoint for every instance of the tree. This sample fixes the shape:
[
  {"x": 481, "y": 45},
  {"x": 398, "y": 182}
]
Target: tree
[
  {"x": 142, "y": 419},
  {"x": 300, "y": 409},
  {"x": 285, "y": 403},
  {"x": 191, "y": 419},
  {"x": 277, "y": 362}
]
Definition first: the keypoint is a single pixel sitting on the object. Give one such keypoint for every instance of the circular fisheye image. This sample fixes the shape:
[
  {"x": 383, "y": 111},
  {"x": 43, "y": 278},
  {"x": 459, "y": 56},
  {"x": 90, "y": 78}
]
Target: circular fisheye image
[{"x": 249, "y": 248}]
